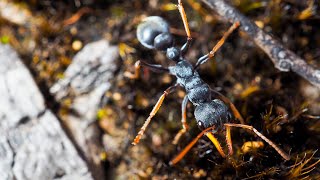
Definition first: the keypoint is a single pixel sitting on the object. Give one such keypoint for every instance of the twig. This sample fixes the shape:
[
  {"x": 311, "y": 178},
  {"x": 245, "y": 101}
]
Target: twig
[
  {"x": 283, "y": 59},
  {"x": 74, "y": 18}
]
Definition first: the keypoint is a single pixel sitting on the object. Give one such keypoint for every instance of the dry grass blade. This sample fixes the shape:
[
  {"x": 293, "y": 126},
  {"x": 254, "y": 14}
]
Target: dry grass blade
[{"x": 299, "y": 169}]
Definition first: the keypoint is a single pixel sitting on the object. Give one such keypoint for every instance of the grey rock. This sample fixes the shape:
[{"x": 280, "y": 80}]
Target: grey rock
[
  {"x": 86, "y": 80},
  {"x": 91, "y": 68},
  {"x": 33, "y": 144},
  {"x": 20, "y": 96}
]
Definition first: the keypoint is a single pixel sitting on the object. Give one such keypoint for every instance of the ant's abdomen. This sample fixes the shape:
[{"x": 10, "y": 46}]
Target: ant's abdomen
[
  {"x": 214, "y": 113},
  {"x": 154, "y": 32}
]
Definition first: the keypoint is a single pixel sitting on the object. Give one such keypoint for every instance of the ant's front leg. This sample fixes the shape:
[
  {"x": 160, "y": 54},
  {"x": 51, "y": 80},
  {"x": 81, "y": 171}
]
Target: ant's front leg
[
  {"x": 206, "y": 132},
  {"x": 183, "y": 120},
  {"x": 189, "y": 146},
  {"x": 228, "y": 139},
  {"x": 137, "y": 66}
]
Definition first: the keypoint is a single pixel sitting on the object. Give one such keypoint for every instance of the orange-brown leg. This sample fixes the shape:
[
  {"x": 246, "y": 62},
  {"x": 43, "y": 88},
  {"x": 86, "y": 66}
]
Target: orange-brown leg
[
  {"x": 206, "y": 57},
  {"x": 234, "y": 110},
  {"x": 183, "y": 120},
  {"x": 152, "y": 113},
  {"x": 183, "y": 15},
  {"x": 188, "y": 147},
  {"x": 184, "y": 18},
  {"x": 280, "y": 151},
  {"x": 137, "y": 67},
  {"x": 223, "y": 39},
  {"x": 216, "y": 143},
  {"x": 228, "y": 139}
]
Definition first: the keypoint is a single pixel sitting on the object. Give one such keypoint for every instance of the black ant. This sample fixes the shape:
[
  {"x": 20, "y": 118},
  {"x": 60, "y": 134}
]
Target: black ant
[{"x": 212, "y": 115}]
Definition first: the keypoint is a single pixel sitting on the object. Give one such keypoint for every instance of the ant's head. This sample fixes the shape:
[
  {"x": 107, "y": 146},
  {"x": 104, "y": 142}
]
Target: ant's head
[
  {"x": 154, "y": 33},
  {"x": 213, "y": 113}
]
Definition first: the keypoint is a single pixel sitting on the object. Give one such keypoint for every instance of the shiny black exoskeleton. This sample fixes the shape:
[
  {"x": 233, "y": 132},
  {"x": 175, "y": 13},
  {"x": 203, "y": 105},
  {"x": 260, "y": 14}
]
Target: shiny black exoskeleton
[{"x": 154, "y": 33}]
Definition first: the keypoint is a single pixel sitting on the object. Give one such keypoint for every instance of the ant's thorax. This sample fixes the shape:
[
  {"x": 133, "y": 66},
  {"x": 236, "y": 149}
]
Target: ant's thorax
[
  {"x": 208, "y": 112},
  {"x": 197, "y": 90}
]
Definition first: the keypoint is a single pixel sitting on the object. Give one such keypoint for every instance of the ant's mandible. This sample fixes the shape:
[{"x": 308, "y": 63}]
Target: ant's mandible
[{"x": 211, "y": 114}]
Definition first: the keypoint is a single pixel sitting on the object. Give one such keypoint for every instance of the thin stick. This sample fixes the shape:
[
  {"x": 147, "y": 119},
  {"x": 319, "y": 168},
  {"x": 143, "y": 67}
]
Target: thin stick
[
  {"x": 283, "y": 59},
  {"x": 74, "y": 18}
]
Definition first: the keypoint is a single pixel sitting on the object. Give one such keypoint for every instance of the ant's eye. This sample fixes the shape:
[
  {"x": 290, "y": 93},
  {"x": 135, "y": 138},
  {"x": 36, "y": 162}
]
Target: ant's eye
[{"x": 201, "y": 125}]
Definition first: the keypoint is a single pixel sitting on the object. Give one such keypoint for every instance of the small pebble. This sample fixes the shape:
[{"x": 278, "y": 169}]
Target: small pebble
[
  {"x": 116, "y": 96},
  {"x": 156, "y": 140},
  {"x": 77, "y": 45}
]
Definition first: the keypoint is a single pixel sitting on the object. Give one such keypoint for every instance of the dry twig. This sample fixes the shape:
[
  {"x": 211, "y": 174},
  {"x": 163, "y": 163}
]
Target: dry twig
[{"x": 283, "y": 59}]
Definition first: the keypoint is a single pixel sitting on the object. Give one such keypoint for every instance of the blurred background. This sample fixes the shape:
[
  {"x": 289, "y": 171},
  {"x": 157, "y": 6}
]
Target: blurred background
[{"x": 76, "y": 53}]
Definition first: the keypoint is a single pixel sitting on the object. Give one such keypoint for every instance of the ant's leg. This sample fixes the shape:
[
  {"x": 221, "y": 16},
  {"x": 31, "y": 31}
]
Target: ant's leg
[
  {"x": 137, "y": 66},
  {"x": 186, "y": 46},
  {"x": 228, "y": 139},
  {"x": 280, "y": 151},
  {"x": 183, "y": 120},
  {"x": 233, "y": 108},
  {"x": 206, "y": 57},
  {"x": 216, "y": 143},
  {"x": 188, "y": 147},
  {"x": 152, "y": 113}
]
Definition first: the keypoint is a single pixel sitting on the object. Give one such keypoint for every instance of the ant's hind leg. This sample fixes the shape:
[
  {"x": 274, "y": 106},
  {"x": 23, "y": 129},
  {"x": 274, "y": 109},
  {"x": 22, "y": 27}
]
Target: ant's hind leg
[
  {"x": 152, "y": 113},
  {"x": 206, "y": 57},
  {"x": 183, "y": 120},
  {"x": 137, "y": 67},
  {"x": 185, "y": 47},
  {"x": 280, "y": 151}
]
